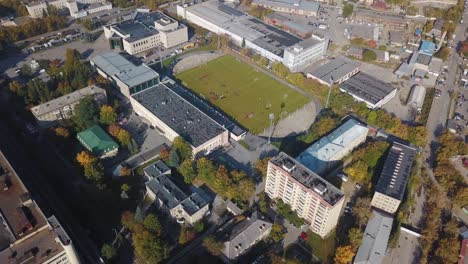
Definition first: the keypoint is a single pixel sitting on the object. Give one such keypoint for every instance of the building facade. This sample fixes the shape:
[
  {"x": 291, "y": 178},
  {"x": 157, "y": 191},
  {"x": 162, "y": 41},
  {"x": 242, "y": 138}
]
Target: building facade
[
  {"x": 304, "y": 53},
  {"x": 295, "y": 7},
  {"x": 38, "y": 9},
  {"x": 146, "y": 31},
  {"x": 391, "y": 186},
  {"x": 313, "y": 198},
  {"x": 98, "y": 142},
  {"x": 47, "y": 114},
  {"x": 336, "y": 71}
]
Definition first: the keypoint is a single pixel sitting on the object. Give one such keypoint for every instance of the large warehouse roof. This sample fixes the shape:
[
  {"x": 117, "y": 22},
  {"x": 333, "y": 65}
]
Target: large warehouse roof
[
  {"x": 290, "y": 4},
  {"x": 181, "y": 116},
  {"x": 326, "y": 148},
  {"x": 367, "y": 88}
]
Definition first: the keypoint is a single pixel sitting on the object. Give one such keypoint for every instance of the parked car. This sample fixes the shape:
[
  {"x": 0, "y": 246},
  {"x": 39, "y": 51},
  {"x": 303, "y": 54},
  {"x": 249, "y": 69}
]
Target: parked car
[{"x": 343, "y": 177}]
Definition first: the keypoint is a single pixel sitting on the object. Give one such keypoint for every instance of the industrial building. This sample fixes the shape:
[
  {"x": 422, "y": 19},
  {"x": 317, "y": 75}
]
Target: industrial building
[
  {"x": 288, "y": 25},
  {"x": 375, "y": 239},
  {"x": 263, "y": 39},
  {"x": 174, "y": 116},
  {"x": 295, "y": 7},
  {"x": 26, "y": 234},
  {"x": 243, "y": 235},
  {"x": 92, "y": 8},
  {"x": 416, "y": 98},
  {"x": 48, "y": 113},
  {"x": 127, "y": 76},
  {"x": 312, "y": 197},
  {"x": 98, "y": 142},
  {"x": 335, "y": 71},
  {"x": 365, "y": 88},
  {"x": 394, "y": 177},
  {"x": 168, "y": 196},
  {"x": 145, "y": 31},
  {"x": 325, "y": 153}
]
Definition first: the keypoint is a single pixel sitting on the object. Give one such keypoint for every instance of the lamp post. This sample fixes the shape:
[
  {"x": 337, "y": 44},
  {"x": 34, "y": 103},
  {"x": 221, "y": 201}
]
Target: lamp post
[
  {"x": 329, "y": 91},
  {"x": 271, "y": 116}
]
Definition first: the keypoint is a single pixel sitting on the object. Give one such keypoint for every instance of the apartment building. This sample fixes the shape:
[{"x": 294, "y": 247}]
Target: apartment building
[
  {"x": 48, "y": 113},
  {"x": 312, "y": 197},
  {"x": 145, "y": 31},
  {"x": 295, "y": 7},
  {"x": 391, "y": 186},
  {"x": 185, "y": 208},
  {"x": 26, "y": 234},
  {"x": 244, "y": 30}
]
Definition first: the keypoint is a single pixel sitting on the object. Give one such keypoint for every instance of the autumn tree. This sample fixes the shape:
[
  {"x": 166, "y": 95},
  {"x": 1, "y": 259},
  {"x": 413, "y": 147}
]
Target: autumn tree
[
  {"x": 174, "y": 159},
  {"x": 362, "y": 210},
  {"x": 261, "y": 166},
  {"x": 125, "y": 171},
  {"x": 107, "y": 115},
  {"x": 164, "y": 154},
  {"x": 124, "y": 137},
  {"x": 183, "y": 149},
  {"x": 85, "y": 158},
  {"x": 213, "y": 246},
  {"x": 344, "y": 255},
  {"x": 206, "y": 170},
  {"x": 187, "y": 171},
  {"x": 17, "y": 88},
  {"x": 108, "y": 252},
  {"x": 62, "y": 132},
  {"x": 114, "y": 130},
  {"x": 245, "y": 189}
]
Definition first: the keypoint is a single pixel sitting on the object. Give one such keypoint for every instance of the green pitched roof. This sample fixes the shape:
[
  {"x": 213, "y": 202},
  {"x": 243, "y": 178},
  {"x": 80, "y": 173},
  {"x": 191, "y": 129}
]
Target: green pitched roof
[{"x": 96, "y": 140}]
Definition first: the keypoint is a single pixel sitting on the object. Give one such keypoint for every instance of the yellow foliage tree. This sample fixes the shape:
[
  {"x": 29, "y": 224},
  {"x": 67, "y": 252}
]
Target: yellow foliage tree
[
  {"x": 85, "y": 158},
  {"x": 107, "y": 115},
  {"x": 344, "y": 255},
  {"x": 62, "y": 132}
]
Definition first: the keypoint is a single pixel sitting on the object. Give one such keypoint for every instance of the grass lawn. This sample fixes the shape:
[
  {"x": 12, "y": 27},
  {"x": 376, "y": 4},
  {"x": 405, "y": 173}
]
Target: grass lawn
[
  {"x": 324, "y": 249},
  {"x": 245, "y": 94}
]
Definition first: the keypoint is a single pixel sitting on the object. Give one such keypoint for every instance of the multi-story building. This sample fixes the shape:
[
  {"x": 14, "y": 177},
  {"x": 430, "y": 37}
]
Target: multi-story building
[
  {"x": 243, "y": 235},
  {"x": 160, "y": 104},
  {"x": 92, "y": 8},
  {"x": 312, "y": 197},
  {"x": 243, "y": 30},
  {"x": 295, "y": 7},
  {"x": 168, "y": 196},
  {"x": 26, "y": 234},
  {"x": 127, "y": 76},
  {"x": 63, "y": 107},
  {"x": 328, "y": 151},
  {"x": 37, "y": 9},
  {"x": 146, "y": 31},
  {"x": 395, "y": 174},
  {"x": 337, "y": 71}
]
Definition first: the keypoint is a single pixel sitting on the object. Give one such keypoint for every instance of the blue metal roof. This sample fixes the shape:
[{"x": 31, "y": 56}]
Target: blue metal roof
[{"x": 427, "y": 47}]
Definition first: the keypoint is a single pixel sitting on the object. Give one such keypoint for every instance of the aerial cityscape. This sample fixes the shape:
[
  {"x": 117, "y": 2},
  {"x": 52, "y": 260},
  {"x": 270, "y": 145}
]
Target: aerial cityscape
[{"x": 233, "y": 131}]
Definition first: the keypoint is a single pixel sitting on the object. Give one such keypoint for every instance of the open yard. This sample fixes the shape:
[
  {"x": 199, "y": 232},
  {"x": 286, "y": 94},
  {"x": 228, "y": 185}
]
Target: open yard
[{"x": 240, "y": 91}]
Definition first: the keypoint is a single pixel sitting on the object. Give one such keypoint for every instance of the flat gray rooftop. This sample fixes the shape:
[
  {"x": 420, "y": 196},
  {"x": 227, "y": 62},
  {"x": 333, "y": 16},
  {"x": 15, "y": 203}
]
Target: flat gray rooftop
[
  {"x": 367, "y": 87},
  {"x": 156, "y": 169},
  {"x": 166, "y": 191},
  {"x": 292, "y": 4},
  {"x": 396, "y": 171},
  {"x": 136, "y": 31},
  {"x": 116, "y": 65},
  {"x": 308, "y": 178},
  {"x": 374, "y": 242},
  {"x": 181, "y": 116},
  {"x": 336, "y": 69}
]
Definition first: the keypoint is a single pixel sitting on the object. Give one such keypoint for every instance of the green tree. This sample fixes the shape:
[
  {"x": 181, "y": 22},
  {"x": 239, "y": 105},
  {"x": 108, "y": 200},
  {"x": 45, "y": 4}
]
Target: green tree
[
  {"x": 280, "y": 70},
  {"x": 187, "y": 171},
  {"x": 38, "y": 92},
  {"x": 108, "y": 252},
  {"x": 182, "y": 147},
  {"x": 86, "y": 112},
  {"x": 174, "y": 159},
  {"x": 94, "y": 171},
  {"x": 206, "y": 169},
  {"x": 124, "y": 137},
  {"x": 263, "y": 202},
  {"x": 17, "y": 88},
  {"x": 355, "y": 237},
  {"x": 107, "y": 115},
  {"x": 245, "y": 189},
  {"x": 26, "y": 71},
  {"x": 347, "y": 10},
  {"x": 221, "y": 181},
  {"x": 369, "y": 55},
  {"x": 362, "y": 210},
  {"x": 183, "y": 235},
  {"x": 213, "y": 246},
  {"x": 199, "y": 226},
  {"x": 152, "y": 223},
  {"x": 276, "y": 233}
]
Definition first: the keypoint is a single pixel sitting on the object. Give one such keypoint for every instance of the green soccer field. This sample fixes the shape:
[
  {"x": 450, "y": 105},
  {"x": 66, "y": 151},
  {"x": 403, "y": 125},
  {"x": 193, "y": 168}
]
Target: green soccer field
[{"x": 245, "y": 94}]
